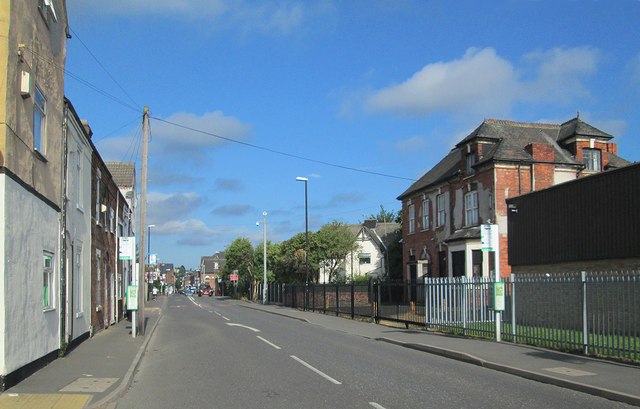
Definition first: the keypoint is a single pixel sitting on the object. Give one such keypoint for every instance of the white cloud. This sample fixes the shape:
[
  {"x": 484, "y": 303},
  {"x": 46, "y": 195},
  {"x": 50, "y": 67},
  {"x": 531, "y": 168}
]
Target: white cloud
[
  {"x": 167, "y": 207},
  {"x": 486, "y": 84},
  {"x": 233, "y": 210},
  {"x": 189, "y": 134},
  {"x": 480, "y": 80},
  {"x": 280, "y": 17}
]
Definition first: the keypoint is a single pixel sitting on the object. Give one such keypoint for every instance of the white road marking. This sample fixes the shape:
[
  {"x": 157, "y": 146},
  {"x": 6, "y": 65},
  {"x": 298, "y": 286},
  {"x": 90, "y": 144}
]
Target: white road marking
[
  {"x": 375, "y": 405},
  {"x": 267, "y": 342},
  {"x": 240, "y": 325},
  {"x": 225, "y": 318},
  {"x": 319, "y": 372}
]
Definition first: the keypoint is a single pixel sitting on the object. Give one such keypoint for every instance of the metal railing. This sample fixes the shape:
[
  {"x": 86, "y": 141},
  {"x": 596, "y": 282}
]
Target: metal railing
[{"x": 595, "y": 313}]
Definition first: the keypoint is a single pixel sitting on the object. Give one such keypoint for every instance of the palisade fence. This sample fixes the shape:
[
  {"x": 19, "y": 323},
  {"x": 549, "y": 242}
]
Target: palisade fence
[{"x": 595, "y": 313}]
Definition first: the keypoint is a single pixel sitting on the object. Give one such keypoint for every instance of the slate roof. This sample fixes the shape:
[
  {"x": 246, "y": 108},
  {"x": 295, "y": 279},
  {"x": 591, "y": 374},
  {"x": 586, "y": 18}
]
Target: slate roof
[
  {"x": 124, "y": 173},
  {"x": 506, "y": 142}
]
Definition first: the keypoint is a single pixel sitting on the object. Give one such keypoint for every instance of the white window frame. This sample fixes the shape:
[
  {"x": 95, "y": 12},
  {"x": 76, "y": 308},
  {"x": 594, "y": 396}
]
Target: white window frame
[
  {"x": 592, "y": 159},
  {"x": 111, "y": 220},
  {"x": 48, "y": 289},
  {"x": 80, "y": 182},
  {"x": 98, "y": 204},
  {"x": 78, "y": 299},
  {"x": 441, "y": 210},
  {"x": 412, "y": 218},
  {"x": 471, "y": 208},
  {"x": 425, "y": 214},
  {"x": 39, "y": 120}
]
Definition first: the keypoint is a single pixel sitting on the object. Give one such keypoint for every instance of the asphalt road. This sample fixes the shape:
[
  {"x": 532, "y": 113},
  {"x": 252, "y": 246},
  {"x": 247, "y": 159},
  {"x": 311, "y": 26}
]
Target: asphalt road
[{"x": 211, "y": 353}]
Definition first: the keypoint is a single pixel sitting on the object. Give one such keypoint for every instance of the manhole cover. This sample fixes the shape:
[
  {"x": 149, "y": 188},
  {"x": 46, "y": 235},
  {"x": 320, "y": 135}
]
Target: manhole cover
[
  {"x": 89, "y": 385},
  {"x": 569, "y": 371}
]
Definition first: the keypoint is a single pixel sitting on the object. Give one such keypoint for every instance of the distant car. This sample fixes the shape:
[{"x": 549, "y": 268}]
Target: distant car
[{"x": 205, "y": 289}]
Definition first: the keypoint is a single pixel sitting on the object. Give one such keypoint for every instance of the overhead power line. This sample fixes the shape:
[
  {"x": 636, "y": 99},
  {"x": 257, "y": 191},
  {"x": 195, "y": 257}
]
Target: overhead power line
[{"x": 291, "y": 155}]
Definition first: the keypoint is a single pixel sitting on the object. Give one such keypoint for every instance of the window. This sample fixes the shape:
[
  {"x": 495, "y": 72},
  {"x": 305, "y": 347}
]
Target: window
[
  {"x": 471, "y": 160},
  {"x": 47, "y": 11},
  {"x": 471, "y": 208},
  {"x": 97, "y": 214},
  {"x": 425, "y": 214},
  {"x": 79, "y": 180},
  {"x": 111, "y": 220},
  {"x": 365, "y": 258},
  {"x": 592, "y": 159},
  {"x": 442, "y": 214},
  {"x": 412, "y": 218},
  {"x": 77, "y": 280},
  {"x": 39, "y": 120},
  {"x": 47, "y": 280}
]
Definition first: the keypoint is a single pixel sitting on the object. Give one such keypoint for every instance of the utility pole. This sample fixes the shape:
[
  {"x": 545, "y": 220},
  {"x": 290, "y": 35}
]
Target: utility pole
[{"x": 142, "y": 287}]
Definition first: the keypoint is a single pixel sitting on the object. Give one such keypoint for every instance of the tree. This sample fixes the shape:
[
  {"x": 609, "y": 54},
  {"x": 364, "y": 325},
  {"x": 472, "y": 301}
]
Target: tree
[
  {"x": 239, "y": 259},
  {"x": 289, "y": 262},
  {"x": 387, "y": 216},
  {"x": 334, "y": 242}
]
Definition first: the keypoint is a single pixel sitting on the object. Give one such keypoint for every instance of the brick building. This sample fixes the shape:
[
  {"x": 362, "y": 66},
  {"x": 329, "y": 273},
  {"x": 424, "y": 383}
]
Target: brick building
[{"x": 443, "y": 210}]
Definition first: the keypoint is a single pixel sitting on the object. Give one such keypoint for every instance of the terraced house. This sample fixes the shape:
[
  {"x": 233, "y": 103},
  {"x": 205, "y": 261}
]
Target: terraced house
[{"x": 443, "y": 210}]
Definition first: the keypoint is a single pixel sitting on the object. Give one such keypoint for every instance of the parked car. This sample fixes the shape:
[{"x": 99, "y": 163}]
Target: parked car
[{"x": 205, "y": 289}]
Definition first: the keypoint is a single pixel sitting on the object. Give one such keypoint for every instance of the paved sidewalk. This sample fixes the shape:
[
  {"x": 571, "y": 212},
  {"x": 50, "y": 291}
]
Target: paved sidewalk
[
  {"x": 92, "y": 375},
  {"x": 606, "y": 379}
]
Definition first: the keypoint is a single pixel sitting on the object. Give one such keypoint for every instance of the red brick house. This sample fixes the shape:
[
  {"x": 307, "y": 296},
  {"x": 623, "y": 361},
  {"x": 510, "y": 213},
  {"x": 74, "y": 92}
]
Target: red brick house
[{"x": 443, "y": 210}]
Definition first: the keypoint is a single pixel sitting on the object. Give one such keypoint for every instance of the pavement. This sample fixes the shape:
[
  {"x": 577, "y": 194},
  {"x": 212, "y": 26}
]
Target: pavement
[{"x": 99, "y": 370}]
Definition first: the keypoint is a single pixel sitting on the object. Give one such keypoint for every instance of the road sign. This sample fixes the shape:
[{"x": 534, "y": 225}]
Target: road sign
[
  {"x": 132, "y": 297},
  {"x": 489, "y": 238},
  {"x": 234, "y": 277},
  {"x": 127, "y": 248}
]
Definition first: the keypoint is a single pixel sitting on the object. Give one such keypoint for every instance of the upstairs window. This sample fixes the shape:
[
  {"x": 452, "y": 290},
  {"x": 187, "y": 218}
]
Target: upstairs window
[
  {"x": 39, "y": 120},
  {"x": 364, "y": 258},
  {"x": 412, "y": 218},
  {"x": 592, "y": 159},
  {"x": 471, "y": 160},
  {"x": 98, "y": 203},
  {"x": 471, "y": 208},
  {"x": 441, "y": 212},
  {"x": 425, "y": 214},
  {"x": 47, "y": 11}
]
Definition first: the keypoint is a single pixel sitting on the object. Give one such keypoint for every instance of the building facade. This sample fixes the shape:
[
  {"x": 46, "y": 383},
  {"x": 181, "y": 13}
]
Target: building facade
[
  {"x": 442, "y": 212},
  {"x": 32, "y": 53}
]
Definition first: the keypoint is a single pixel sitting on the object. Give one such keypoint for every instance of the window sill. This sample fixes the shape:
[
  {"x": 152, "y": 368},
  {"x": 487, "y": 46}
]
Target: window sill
[
  {"x": 79, "y": 314},
  {"x": 48, "y": 309}
]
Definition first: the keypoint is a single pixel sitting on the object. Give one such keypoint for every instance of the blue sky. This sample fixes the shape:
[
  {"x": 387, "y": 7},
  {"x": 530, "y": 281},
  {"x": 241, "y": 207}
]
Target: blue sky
[{"x": 359, "y": 96}]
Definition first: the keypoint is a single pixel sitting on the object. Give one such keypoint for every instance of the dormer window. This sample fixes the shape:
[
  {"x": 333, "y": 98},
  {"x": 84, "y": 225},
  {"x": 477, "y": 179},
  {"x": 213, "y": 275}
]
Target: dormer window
[
  {"x": 471, "y": 160},
  {"x": 592, "y": 159}
]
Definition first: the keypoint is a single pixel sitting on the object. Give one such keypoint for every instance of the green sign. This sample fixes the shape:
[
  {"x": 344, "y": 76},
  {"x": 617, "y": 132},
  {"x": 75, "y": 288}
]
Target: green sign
[
  {"x": 498, "y": 300},
  {"x": 132, "y": 297}
]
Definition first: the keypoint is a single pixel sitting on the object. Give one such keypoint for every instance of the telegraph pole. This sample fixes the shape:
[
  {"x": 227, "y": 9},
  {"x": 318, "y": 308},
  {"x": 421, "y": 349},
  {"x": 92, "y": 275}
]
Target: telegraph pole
[{"x": 142, "y": 285}]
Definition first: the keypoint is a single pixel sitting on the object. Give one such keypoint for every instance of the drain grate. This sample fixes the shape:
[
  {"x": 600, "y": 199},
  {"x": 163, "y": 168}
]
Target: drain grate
[{"x": 569, "y": 371}]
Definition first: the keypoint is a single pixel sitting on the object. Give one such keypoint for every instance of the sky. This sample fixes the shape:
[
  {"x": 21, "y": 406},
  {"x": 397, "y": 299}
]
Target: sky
[{"x": 360, "y": 97}]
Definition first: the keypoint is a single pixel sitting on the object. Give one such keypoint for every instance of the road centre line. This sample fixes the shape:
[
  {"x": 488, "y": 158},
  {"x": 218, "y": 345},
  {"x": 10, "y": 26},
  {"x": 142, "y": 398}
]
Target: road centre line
[
  {"x": 225, "y": 318},
  {"x": 241, "y": 326},
  {"x": 375, "y": 405},
  {"x": 319, "y": 372},
  {"x": 267, "y": 342}
]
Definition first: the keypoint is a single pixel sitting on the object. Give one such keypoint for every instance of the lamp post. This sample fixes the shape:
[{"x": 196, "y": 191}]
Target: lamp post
[
  {"x": 306, "y": 230},
  {"x": 146, "y": 279},
  {"x": 264, "y": 257}
]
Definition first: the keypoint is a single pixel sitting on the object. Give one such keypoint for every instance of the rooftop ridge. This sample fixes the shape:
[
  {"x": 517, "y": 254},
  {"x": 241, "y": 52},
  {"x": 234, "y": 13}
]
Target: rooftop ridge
[{"x": 521, "y": 124}]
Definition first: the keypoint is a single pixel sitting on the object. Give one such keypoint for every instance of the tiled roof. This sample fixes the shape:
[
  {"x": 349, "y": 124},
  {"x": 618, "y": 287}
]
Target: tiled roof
[
  {"x": 506, "y": 141},
  {"x": 124, "y": 173}
]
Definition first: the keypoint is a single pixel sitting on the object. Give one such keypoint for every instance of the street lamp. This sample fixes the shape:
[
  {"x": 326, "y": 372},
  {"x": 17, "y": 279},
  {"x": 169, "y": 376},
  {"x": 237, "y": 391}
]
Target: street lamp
[
  {"x": 306, "y": 230},
  {"x": 264, "y": 256}
]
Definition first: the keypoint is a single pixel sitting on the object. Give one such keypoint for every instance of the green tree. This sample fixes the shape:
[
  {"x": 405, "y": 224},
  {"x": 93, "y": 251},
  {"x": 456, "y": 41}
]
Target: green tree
[
  {"x": 239, "y": 258},
  {"x": 334, "y": 242},
  {"x": 387, "y": 216},
  {"x": 289, "y": 261}
]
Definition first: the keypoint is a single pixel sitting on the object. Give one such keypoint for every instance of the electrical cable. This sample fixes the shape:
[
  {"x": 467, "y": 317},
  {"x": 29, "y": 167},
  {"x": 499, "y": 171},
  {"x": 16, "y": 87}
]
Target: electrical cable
[{"x": 291, "y": 155}]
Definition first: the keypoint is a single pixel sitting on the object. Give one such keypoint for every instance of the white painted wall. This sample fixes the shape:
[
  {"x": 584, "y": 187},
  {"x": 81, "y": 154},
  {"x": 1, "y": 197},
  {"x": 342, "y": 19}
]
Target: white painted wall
[
  {"x": 79, "y": 230},
  {"x": 30, "y": 227}
]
